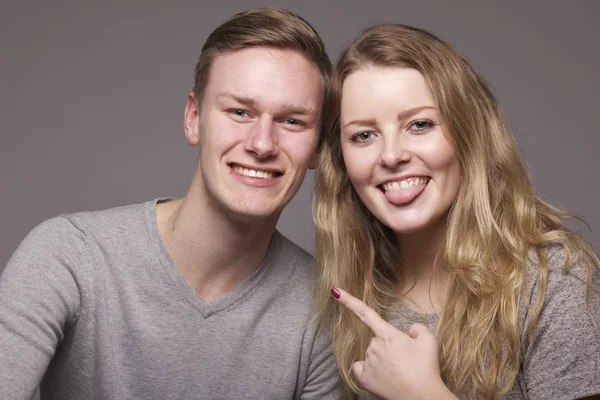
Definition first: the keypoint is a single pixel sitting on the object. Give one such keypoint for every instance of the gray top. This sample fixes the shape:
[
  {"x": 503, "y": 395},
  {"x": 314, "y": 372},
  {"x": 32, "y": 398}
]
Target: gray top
[
  {"x": 92, "y": 307},
  {"x": 563, "y": 360}
]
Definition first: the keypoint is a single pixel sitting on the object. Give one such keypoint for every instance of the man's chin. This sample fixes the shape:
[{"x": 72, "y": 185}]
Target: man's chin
[{"x": 257, "y": 214}]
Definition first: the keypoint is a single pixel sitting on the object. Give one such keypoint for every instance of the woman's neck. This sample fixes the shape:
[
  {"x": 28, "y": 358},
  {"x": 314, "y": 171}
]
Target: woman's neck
[{"x": 422, "y": 280}]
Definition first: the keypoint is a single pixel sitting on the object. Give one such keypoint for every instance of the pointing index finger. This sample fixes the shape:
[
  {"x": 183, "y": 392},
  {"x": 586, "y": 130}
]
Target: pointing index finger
[{"x": 365, "y": 313}]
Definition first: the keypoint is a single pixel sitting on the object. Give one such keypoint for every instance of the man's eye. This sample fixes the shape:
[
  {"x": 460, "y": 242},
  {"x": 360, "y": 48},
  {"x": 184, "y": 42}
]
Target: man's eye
[
  {"x": 239, "y": 113},
  {"x": 293, "y": 122}
]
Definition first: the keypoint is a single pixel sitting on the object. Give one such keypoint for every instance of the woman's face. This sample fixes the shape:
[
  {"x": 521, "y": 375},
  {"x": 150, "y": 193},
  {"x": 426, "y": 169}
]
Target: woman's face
[{"x": 395, "y": 150}]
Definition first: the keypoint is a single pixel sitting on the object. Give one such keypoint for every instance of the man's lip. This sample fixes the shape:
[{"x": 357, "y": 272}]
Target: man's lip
[{"x": 276, "y": 171}]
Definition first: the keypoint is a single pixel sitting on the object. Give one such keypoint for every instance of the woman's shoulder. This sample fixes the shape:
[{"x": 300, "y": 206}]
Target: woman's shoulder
[
  {"x": 563, "y": 334},
  {"x": 564, "y": 277},
  {"x": 557, "y": 260}
]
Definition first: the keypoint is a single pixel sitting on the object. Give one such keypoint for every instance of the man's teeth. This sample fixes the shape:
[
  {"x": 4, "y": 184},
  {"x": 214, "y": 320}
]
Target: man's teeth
[
  {"x": 405, "y": 184},
  {"x": 254, "y": 173}
]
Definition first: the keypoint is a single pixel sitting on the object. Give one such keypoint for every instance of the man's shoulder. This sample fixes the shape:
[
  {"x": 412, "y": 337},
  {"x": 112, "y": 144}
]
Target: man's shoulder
[
  {"x": 108, "y": 219},
  {"x": 71, "y": 233},
  {"x": 290, "y": 251},
  {"x": 288, "y": 266},
  {"x": 75, "y": 231}
]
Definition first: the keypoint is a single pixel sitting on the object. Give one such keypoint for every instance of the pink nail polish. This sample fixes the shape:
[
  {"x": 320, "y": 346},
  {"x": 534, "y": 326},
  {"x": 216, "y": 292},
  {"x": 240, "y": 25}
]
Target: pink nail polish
[{"x": 336, "y": 293}]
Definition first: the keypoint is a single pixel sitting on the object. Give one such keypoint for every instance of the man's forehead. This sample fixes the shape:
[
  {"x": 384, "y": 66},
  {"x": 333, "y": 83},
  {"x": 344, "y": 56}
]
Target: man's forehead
[{"x": 268, "y": 78}]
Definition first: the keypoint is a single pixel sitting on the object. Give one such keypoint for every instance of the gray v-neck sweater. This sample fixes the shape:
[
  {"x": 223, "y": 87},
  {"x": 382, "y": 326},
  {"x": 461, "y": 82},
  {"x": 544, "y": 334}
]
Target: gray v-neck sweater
[{"x": 92, "y": 307}]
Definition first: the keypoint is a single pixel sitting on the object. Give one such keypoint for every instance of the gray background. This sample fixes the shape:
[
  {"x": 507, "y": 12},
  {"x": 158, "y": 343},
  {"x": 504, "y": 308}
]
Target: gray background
[{"x": 92, "y": 96}]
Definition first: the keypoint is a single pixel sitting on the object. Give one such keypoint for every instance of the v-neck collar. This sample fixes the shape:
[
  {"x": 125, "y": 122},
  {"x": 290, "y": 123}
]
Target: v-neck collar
[{"x": 180, "y": 284}]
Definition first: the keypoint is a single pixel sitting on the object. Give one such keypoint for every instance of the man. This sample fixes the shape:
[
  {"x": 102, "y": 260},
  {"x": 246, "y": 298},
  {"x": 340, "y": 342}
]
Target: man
[{"x": 198, "y": 297}]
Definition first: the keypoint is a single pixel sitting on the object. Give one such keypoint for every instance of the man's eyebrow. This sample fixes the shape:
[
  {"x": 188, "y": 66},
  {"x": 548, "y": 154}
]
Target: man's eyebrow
[
  {"x": 246, "y": 101},
  {"x": 296, "y": 110},
  {"x": 404, "y": 114},
  {"x": 252, "y": 103}
]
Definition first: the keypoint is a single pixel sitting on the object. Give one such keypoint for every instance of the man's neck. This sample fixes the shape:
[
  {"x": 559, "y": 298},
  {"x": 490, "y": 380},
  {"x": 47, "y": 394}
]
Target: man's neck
[{"x": 212, "y": 252}]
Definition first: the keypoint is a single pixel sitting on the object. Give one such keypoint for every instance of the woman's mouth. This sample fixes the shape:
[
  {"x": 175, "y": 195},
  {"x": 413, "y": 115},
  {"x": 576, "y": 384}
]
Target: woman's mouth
[{"x": 404, "y": 191}]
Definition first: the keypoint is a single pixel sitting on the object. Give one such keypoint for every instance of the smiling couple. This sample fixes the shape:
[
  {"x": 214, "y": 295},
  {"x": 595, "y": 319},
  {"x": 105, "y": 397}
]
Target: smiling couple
[{"x": 438, "y": 272}]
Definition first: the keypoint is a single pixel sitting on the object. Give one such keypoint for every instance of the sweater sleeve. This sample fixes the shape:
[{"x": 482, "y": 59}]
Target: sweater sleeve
[
  {"x": 39, "y": 299},
  {"x": 562, "y": 359}
]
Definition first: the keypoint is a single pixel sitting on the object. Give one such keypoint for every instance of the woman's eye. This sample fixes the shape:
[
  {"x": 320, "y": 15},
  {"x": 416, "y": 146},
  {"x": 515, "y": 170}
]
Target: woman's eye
[
  {"x": 362, "y": 136},
  {"x": 422, "y": 125}
]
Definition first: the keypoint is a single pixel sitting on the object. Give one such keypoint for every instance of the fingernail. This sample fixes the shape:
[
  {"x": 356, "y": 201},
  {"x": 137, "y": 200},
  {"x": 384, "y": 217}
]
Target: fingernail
[{"x": 336, "y": 293}]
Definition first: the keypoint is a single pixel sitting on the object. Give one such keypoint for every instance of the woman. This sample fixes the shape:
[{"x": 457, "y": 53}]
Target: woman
[{"x": 425, "y": 212}]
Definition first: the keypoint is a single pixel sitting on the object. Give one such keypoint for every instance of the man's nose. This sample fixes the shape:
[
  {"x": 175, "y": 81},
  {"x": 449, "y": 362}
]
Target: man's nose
[{"x": 263, "y": 139}]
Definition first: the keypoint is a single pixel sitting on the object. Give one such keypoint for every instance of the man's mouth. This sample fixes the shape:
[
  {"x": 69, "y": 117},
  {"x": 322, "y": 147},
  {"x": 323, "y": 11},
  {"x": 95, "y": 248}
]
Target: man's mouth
[{"x": 254, "y": 173}]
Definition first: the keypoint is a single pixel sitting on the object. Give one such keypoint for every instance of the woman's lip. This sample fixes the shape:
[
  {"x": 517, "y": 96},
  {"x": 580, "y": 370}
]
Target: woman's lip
[{"x": 404, "y": 178}]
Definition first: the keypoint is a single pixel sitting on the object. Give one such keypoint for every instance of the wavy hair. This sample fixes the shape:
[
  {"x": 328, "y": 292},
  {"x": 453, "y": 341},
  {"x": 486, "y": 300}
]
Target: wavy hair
[{"x": 495, "y": 221}]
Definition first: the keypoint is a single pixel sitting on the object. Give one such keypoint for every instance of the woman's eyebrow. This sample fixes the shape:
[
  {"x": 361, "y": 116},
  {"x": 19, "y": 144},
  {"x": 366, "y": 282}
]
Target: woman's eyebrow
[{"x": 402, "y": 115}]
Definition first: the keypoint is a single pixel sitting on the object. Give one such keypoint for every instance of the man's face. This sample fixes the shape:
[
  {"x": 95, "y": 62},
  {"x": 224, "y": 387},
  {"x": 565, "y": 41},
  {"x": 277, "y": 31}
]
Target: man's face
[{"x": 258, "y": 128}]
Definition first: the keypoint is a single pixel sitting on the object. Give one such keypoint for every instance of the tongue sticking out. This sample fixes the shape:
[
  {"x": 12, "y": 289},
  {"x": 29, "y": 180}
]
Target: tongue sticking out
[{"x": 404, "y": 196}]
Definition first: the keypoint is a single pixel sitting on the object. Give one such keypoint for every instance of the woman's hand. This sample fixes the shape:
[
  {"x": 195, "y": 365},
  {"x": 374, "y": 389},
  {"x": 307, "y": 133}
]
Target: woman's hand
[{"x": 396, "y": 365}]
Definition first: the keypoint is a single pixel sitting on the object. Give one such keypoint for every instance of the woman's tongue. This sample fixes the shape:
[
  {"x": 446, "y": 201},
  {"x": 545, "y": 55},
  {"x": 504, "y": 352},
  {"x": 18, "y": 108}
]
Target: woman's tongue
[{"x": 399, "y": 196}]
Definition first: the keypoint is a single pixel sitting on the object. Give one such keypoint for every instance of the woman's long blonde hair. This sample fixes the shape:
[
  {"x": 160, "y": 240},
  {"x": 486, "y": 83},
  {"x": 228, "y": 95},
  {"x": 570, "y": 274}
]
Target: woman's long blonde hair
[{"x": 495, "y": 221}]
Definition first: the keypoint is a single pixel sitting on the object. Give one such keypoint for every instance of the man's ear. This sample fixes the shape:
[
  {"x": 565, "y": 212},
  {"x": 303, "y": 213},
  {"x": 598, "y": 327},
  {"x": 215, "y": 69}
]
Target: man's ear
[{"x": 190, "y": 120}]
